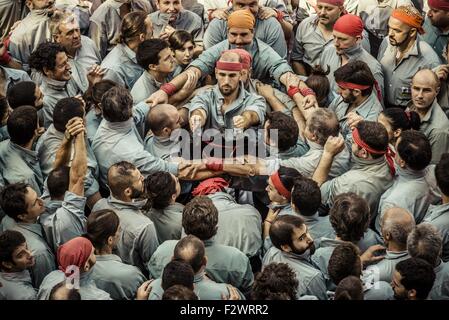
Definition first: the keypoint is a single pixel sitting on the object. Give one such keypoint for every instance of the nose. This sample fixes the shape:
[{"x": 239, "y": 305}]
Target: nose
[{"x": 171, "y": 7}]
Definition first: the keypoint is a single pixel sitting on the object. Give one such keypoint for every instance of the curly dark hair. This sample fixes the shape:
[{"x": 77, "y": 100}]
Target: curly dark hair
[
  {"x": 349, "y": 216},
  {"x": 159, "y": 189},
  {"x": 344, "y": 261},
  {"x": 277, "y": 281},
  {"x": 287, "y": 129},
  {"x": 45, "y": 56},
  {"x": 200, "y": 218},
  {"x": 12, "y": 200}
]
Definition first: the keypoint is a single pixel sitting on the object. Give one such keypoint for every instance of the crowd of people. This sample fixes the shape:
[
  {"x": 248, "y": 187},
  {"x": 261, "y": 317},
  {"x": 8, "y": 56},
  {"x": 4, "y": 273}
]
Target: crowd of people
[{"x": 224, "y": 150}]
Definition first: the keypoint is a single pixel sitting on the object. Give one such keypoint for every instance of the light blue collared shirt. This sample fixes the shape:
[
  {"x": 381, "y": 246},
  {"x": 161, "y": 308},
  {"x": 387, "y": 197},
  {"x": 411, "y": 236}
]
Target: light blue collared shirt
[
  {"x": 267, "y": 65},
  {"x": 121, "y": 141},
  {"x": 18, "y": 164},
  {"x": 138, "y": 238},
  {"x": 211, "y": 101},
  {"x": 121, "y": 66},
  {"x": 269, "y": 31},
  {"x": 224, "y": 264},
  {"x": 65, "y": 222}
]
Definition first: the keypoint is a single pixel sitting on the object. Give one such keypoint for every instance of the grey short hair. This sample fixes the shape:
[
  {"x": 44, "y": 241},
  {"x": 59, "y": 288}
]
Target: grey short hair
[
  {"x": 323, "y": 123},
  {"x": 425, "y": 242},
  {"x": 398, "y": 231}
]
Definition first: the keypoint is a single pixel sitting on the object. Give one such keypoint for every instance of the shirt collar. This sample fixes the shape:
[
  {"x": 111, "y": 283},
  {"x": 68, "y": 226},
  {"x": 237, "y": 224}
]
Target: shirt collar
[
  {"x": 238, "y": 100},
  {"x": 23, "y": 276},
  {"x": 24, "y": 152},
  {"x": 392, "y": 255},
  {"x": 128, "y": 52},
  {"x": 108, "y": 257},
  {"x": 135, "y": 204},
  {"x": 438, "y": 210},
  {"x": 54, "y": 84},
  {"x": 122, "y": 125},
  {"x": 409, "y": 174},
  {"x": 9, "y": 74}
]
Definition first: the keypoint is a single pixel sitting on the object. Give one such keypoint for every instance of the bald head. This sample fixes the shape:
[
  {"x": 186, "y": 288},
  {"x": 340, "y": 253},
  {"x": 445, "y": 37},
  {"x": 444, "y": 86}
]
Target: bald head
[
  {"x": 163, "y": 116},
  {"x": 190, "y": 249},
  {"x": 426, "y": 76},
  {"x": 397, "y": 223},
  {"x": 61, "y": 292}
]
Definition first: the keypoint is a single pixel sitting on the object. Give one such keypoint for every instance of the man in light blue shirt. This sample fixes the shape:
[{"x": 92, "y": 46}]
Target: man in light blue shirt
[
  {"x": 49, "y": 143},
  {"x": 171, "y": 16},
  {"x": 66, "y": 184},
  {"x": 294, "y": 246},
  {"x": 438, "y": 215},
  {"x": 267, "y": 30},
  {"x": 191, "y": 250},
  {"x": 15, "y": 260},
  {"x": 57, "y": 83},
  {"x": 9, "y": 77},
  {"x": 120, "y": 64},
  {"x": 18, "y": 161},
  {"x": 425, "y": 242},
  {"x": 118, "y": 138},
  {"x": 156, "y": 58},
  {"x": 138, "y": 237},
  {"x": 357, "y": 94},
  {"x": 397, "y": 223},
  {"x": 436, "y": 26},
  {"x": 81, "y": 50},
  {"x": 267, "y": 65},
  {"x": 23, "y": 207},
  {"x": 413, "y": 178},
  {"x": 33, "y": 30},
  {"x": 105, "y": 22},
  {"x": 371, "y": 174},
  {"x": 225, "y": 264},
  {"x": 228, "y": 105}
]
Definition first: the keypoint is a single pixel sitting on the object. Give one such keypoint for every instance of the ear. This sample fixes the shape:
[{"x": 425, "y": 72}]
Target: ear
[
  {"x": 152, "y": 67},
  {"x": 397, "y": 133},
  {"x": 128, "y": 192},
  {"x": 401, "y": 163},
  {"x": 142, "y": 37},
  {"x": 47, "y": 72},
  {"x": 438, "y": 90},
  {"x": 6, "y": 265},
  {"x": 411, "y": 294},
  {"x": 110, "y": 240},
  {"x": 357, "y": 92},
  {"x": 22, "y": 216},
  {"x": 205, "y": 261},
  {"x": 157, "y": 4},
  {"x": 293, "y": 207},
  {"x": 173, "y": 196},
  {"x": 286, "y": 248},
  {"x": 363, "y": 153},
  {"x": 387, "y": 236}
]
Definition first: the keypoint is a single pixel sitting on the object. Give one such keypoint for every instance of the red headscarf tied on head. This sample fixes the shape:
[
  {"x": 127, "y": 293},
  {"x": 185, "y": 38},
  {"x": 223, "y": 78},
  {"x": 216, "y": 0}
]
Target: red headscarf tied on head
[
  {"x": 280, "y": 188},
  {"x": 245, "y": 56},
  {"x": 389, "y": 155},
  {"x": 439, "y": 4},
  {"x": 210, "y": 186},
  {"x": 349, "y": 24},
  {"x": 74, "y": 252},
  {"x": 339, "y": 3}
]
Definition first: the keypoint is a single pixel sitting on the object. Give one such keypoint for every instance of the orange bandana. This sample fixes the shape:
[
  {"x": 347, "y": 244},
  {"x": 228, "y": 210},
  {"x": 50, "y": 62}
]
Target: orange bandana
[
  {"x": 410, "y": 16},
  {"x": 241, "y": 19}
]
